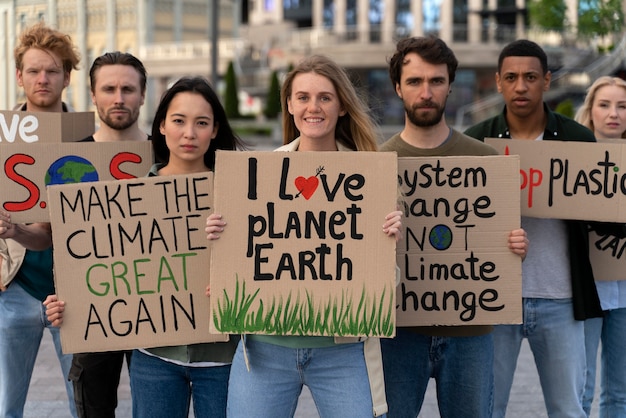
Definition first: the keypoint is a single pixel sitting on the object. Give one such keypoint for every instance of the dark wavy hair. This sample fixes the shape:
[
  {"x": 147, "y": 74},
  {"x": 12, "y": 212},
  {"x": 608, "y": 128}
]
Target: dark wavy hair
[
  {"x": 225, "y": 139},
  {"x": 430, "y": 48}
]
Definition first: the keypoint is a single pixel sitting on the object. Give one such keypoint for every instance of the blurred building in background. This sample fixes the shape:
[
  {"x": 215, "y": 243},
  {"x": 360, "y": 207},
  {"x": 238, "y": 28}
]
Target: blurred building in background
[
  {"x": 175, "y": 38},
  {"x": 172, "y": 37}
]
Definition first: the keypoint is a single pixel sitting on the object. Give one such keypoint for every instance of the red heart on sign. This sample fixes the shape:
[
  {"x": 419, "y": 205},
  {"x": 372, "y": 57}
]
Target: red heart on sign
[{"x": 306, "y": 186}]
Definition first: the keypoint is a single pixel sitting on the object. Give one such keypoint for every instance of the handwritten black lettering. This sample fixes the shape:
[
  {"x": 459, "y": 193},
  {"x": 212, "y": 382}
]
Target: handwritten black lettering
[
  {"x": 304, "y": 225},
  {"x": 428, "y": 175},
  {"x": 123, "y": 319},
  {"x": 471, "y": 268},
  {"x": 466, "y": 303},
  {"x": 309, "y": 264}
]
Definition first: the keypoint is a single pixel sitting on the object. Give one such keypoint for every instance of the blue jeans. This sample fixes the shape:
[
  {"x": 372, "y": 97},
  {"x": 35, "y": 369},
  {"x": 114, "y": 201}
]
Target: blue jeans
[
  {"x": 160, "y": 388},
  {"x": 557, "y": 342},
  {"x": 612, "y": 331},
  {"x": 336, "y": 376},
  {"x": 461, "y": 367},
  {"x": 22, "y": 321}
]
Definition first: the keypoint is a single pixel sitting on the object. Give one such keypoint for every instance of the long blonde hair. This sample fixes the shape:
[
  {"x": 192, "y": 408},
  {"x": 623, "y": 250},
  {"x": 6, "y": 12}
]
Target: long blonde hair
[
  {"x": 355, "y": 129},
  {"x": 583, "y": 116}
]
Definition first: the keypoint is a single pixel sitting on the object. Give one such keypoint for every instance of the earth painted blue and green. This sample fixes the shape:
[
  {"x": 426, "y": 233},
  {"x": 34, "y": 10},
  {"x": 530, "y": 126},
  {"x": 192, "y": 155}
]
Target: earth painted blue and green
[
  {"x": 70, "y": 169},
  {"x": 440, "y": 237}
]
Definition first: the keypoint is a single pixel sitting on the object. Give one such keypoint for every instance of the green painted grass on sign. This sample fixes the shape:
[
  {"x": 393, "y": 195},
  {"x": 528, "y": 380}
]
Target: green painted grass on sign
[{"x": 337, "y": 316}]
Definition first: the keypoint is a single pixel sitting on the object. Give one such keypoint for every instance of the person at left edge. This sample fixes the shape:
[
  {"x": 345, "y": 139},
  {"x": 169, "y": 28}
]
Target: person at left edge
[
  {"x": 118, "y": 87},
  {"x": 44, "y": 59}
]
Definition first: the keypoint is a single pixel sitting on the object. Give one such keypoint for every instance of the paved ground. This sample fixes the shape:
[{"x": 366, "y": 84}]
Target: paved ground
[{"x": 47, "y": 399}]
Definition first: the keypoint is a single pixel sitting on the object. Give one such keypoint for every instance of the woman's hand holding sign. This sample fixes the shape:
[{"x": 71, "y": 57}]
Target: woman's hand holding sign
[
  {"x": 214, "y": 226},
  {"x": 393, "y": 224}
]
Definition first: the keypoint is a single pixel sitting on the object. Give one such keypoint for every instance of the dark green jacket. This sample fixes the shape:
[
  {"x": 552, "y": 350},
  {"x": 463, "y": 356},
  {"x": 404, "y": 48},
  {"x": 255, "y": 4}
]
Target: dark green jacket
[{"x": 560, "y": 128}]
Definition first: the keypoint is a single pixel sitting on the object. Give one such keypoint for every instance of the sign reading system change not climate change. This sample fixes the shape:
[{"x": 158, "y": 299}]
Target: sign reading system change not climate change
[{"x": 456, "y": 266}]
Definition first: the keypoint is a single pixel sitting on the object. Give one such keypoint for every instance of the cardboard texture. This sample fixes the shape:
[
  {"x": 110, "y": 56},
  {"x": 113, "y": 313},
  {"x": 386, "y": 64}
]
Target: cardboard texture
[
  {"x": 132, "y": 262},
  {"x": 304, "y": 252},
  {"x": 44, "y": 127},
  {"x": 29, "y": 168},
  {"x": 456, "y": 266},
  {"x": 607, "y": 254},
  {"x": 570, "y": 180}
]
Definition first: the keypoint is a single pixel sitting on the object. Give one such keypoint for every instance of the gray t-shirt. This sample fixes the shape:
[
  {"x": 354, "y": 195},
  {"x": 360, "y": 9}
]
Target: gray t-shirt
[{"x": 546, "y": 270}]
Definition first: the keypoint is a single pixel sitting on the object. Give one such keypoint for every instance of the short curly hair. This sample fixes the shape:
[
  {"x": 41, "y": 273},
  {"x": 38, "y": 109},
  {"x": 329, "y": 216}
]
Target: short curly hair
[{"x": 47, "y": 39}]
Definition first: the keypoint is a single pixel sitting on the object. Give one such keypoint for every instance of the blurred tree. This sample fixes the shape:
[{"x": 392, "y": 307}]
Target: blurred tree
[
  {"x": 600, "y": 17},
  {"x": 548, "y": 14},
  {"x": 231, "y": 95},
  {"x": 272, "y": 105}
]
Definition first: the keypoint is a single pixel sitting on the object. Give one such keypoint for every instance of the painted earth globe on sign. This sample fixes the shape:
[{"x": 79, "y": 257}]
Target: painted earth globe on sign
[
  {"x": 440, "y": 237},
  {"x": 71, "y": 169}
]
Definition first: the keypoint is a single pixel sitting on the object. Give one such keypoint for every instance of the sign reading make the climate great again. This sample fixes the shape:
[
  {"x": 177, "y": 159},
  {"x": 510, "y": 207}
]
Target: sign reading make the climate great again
[{"x": 131, "y": 262}]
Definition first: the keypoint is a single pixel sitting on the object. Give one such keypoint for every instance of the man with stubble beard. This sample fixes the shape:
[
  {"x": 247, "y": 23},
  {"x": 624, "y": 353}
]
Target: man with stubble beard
[
  {"x": 459, "y": 358},
  {"x": 118, "y": 87}
]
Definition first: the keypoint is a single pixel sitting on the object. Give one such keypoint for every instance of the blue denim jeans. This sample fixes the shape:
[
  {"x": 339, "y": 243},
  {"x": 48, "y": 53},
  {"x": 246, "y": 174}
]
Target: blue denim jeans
[
  {"x": 611, "y": 330},
  {"x": 461, "y": 367},
  {"x": 557, "y": 342},
  {"x": 161, "y": 389},
  {"x": 22, "y": 321},
  {"x": 336, "y": 376}
]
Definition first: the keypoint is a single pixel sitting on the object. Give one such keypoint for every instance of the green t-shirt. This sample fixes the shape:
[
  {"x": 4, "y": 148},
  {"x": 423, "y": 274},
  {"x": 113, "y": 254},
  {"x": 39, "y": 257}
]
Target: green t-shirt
[{"x": 35, "y": 274}]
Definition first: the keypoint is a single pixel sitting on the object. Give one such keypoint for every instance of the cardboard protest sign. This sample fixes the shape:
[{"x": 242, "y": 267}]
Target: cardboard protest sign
[
  {"x": 456, "y": 266},
  {"x": 570, "y": 179},
  {"x": 44, "y": 127},
  {"x": 304, "y": 252},
  {"x": 28, "y": 168},
  {"x": 131, "y": 262},
  {"x": 607, "y": 255}
]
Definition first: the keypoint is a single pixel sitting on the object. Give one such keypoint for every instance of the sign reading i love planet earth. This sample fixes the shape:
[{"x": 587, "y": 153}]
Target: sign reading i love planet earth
[{"x": 303, "y": 252}]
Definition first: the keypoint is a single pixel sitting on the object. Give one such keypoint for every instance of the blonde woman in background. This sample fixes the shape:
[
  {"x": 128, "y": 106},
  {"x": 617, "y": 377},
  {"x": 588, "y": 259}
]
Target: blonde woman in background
[{"x": 604, "y": 112}]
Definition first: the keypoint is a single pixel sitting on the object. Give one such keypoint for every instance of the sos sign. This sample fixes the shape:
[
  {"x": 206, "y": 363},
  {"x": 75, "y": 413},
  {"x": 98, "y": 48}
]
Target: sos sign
[{"x": 28, "y": 169}]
